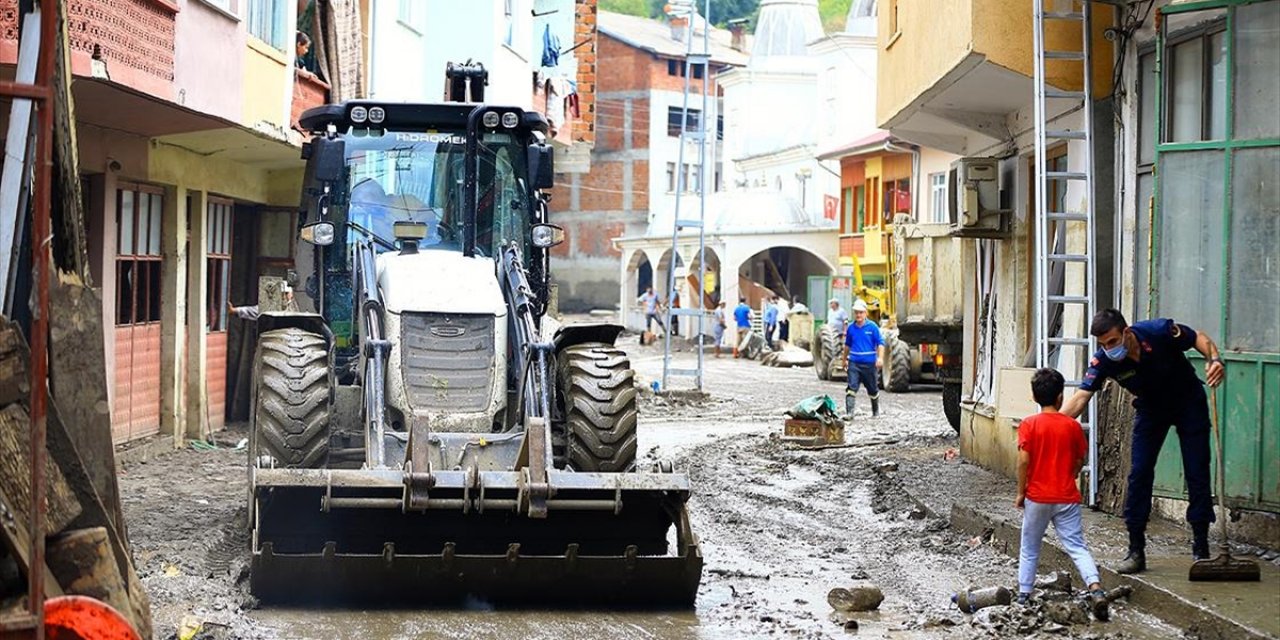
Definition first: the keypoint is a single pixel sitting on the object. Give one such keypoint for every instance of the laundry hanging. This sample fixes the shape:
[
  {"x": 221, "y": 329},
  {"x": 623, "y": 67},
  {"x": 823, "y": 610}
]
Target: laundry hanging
[{"x": 550, "y": 48}]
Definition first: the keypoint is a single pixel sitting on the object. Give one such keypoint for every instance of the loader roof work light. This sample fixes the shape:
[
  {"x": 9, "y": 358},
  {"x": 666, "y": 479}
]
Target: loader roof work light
[
  {"x": 510, "y": 120},
  {"x": 409, "y": 230},
  {"x": 359, "y": 114},
  {"x": 546, "y": 236},
  {"x": 491, "y": 119},
  {"x": 377, "y": 115}
]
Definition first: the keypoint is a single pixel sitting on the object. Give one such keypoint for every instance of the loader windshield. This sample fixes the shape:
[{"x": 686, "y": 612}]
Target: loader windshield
[{"x": 418, "y": 176}]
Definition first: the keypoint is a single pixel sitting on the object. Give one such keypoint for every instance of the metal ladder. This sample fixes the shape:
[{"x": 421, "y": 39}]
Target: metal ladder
[
  {"x": 1054, "y": 338},
  {"x": 690, "y": 308}
]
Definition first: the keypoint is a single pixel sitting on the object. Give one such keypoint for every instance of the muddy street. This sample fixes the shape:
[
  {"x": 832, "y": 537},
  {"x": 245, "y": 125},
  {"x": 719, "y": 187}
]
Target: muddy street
[{"x": 779, "y": 528}]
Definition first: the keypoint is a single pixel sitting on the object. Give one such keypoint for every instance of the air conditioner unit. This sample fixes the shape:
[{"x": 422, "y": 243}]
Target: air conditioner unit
[{"x": 974, "y": 190}]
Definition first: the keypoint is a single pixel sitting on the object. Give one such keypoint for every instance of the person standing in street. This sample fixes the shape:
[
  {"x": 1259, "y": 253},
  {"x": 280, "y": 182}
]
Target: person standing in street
[
  {"x": 837, "y": 317},
  {"x": 718, "y": 323},
  {"x": 1148, "y": 359},
  {"x": 865, "y": 349},
  {"x": 651, "y": 304},
  {"x": 1051, "y": 452},
  {"x": 770, "y": 319},
  {"x": 742, "y": 318},
  {"x": 784, "y": 322}
]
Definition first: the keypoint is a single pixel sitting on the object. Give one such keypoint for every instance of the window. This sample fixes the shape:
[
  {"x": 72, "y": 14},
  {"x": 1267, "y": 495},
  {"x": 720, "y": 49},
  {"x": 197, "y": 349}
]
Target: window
[
  {"x": 139, "y": 211},
  {"x": 266, "y": 21},
  {"x": 1197, "y": 83},
  {"x": 410, "y": 14},
  {"x": 720, "y": 126},
  {"x": 217, "y": 242},
  {"x": 1147, "y": 87},
  {"x": 225, "y": 5},
  {"x": 671, "y": 177},
  {"x": 860, "y": 204},
  {"x": 673, "y": 68},
  {"x": 697, "y": 71},
  {"x": 897, "y": 198},
  {"x": 1216, "y": 218},
  {"x": 938, "y": 197},
  {"x": 673, "y": 121}
]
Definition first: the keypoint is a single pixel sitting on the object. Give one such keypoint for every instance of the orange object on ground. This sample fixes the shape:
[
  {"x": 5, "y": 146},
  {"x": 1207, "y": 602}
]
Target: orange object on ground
[{"x": 85, "y": 618}]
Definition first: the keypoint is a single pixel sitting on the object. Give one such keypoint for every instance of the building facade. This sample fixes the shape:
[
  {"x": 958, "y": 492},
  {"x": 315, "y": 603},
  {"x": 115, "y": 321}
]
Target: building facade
[
  {"x": 1181, "y": 199},
  {"x": 635, "y": 166},
  {"x": 191, "y": 174}
]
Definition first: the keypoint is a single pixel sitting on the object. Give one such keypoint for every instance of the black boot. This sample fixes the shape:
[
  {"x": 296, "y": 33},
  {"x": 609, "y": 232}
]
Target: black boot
[
  {"x": 875, "y": 407},
  {"x": 1136, "y": 561},
  {"x": 1199, "y": 540}
]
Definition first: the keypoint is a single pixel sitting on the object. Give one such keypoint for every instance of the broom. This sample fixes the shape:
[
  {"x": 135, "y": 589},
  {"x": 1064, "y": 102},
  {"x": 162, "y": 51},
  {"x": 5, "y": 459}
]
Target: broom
[{"x": 1223, "y": 568}]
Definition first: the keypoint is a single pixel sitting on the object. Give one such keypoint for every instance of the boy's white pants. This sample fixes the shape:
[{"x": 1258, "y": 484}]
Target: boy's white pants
[{"x": 1066, "y": 521}]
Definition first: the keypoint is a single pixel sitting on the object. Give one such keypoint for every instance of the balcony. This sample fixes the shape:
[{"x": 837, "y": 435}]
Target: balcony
[
  {"x": 308, "y": 91},
  {"x": 129, "y": 41},
  {"x": 952, "y": 70},
  {"x": 870, "y": 247}
]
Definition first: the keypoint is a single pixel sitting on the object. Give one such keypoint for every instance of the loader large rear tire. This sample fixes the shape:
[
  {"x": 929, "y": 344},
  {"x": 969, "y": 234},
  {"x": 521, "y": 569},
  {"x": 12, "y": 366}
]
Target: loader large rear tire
[
  {"x": 951, "y": 403},
  {"x": 597, "y": 385},
  {"x": 898, "y": 379},
  {"x": 290, "y": 419}
]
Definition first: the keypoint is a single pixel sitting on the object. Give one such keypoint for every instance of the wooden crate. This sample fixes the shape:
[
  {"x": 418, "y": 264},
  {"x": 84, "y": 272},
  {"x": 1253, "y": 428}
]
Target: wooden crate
[{"x": 812, "y": 432}]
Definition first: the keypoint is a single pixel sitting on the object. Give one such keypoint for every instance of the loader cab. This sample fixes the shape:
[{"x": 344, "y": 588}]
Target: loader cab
[{"x": 474, "y": 175}]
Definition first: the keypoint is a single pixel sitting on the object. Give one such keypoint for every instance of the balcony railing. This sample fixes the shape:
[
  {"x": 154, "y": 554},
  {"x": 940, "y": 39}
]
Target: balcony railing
[{"x": 308, "y": 91}]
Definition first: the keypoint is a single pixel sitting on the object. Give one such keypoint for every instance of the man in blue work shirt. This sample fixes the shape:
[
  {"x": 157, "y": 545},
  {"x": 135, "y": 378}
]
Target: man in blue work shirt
[
  {"x": 770, "y": 319},
  {"x": 1147, "y": 359},
  {"x": 742, "y": 318},
  {"x": 865, "y": 348}
]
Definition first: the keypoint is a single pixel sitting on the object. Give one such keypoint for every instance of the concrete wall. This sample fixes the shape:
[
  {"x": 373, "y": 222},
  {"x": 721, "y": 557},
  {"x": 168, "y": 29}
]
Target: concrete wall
[
  {"x": 266, "y": 70},
  {"x": 400, "y": 57},
  {"x": 205, "y": 35}
]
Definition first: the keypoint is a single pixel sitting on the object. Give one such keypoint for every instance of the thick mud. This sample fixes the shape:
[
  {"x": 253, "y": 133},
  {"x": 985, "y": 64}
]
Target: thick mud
[{"x": 779, "y": 527}]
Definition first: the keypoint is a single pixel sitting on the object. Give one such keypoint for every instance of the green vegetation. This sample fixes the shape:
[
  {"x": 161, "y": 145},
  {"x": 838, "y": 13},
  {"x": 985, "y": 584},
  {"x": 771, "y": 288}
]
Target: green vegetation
[{"x": 832, "y": 12}]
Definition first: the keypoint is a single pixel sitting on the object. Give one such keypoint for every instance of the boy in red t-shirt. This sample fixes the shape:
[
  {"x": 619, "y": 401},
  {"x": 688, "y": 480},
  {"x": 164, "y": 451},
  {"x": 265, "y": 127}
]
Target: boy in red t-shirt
[{"x": 1051, "y": 452}]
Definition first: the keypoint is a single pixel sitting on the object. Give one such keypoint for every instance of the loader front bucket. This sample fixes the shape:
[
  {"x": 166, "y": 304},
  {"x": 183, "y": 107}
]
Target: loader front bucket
[{"x": 621, "y": 539}]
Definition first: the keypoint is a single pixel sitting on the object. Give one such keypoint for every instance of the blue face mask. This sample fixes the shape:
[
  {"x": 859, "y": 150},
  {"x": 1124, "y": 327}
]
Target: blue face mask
[{"x": 1118, "y": 352}]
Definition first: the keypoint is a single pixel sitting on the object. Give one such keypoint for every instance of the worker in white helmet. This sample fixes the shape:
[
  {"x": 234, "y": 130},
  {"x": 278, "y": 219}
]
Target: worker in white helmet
[{"x": 865, "y": 349}]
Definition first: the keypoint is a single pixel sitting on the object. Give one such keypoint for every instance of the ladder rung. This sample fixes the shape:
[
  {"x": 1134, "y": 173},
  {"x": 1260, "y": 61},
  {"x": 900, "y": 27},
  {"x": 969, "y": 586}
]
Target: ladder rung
[
  {"x": 1062, "y": 134},
  {"x": 1059, "y": 93},
  {"x": 1064, "y": 15},
  {"x": 1070, "y": 217},
  {"x": 682, "y": 311},
  {"x": 1068, "y": 257},
  {"x": 689, "y": 224},
  {"x": 1069, "y": 299},
  {"x": 1064, "y": 55},
  {"x": 1078, "y": 342},
  {"x": 682, "y": 372},
  {"x": 1066, "y": 175}
]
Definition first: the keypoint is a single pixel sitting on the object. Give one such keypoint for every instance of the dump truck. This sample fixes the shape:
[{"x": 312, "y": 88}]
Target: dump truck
[
  {"x": 428, "y": 431},
  {"x": 928, "y": 314}
]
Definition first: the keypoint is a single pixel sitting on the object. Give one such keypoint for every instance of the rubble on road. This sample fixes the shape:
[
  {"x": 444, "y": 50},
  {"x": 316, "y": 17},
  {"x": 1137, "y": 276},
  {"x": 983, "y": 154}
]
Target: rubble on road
[
  {"x": 863, "y": 598},
  {"x": 788, "y": 356}
]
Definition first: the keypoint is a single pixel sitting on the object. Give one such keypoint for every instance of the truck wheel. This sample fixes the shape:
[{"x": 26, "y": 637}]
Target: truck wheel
[
  {"x": 290, "y": 418},
  {"x": 951, "y": 403},
  {"x": 832, "y": 345},
  {"x": 597, "y": 386},
  {"x": 898, "y": 374},
  {"x": 821, "y": 358}
]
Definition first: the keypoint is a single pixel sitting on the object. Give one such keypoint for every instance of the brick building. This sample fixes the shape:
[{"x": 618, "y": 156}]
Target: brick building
[{"x": 634, "y": 170}]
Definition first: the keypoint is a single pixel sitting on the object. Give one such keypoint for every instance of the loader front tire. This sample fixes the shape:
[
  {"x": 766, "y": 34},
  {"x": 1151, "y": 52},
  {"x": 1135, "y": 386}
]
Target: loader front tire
[
  {"x": 291, "y": 381},
  {"x": 898, "y": 379},
  {"x": 597, "y": 386}
]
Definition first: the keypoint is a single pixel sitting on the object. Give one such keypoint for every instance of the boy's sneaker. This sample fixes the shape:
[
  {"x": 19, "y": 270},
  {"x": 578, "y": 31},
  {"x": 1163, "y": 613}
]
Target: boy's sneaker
[
  {"x": 1135, "y": 562},
  {"x": 1023, "y": 598},
  {"x": 1099, "y": 605}
]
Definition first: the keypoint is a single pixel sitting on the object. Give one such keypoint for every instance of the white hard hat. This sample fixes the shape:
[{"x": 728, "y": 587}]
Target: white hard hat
[
  {"x": 859, "y": 305},
  {"x": 833, "y": 301}
]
